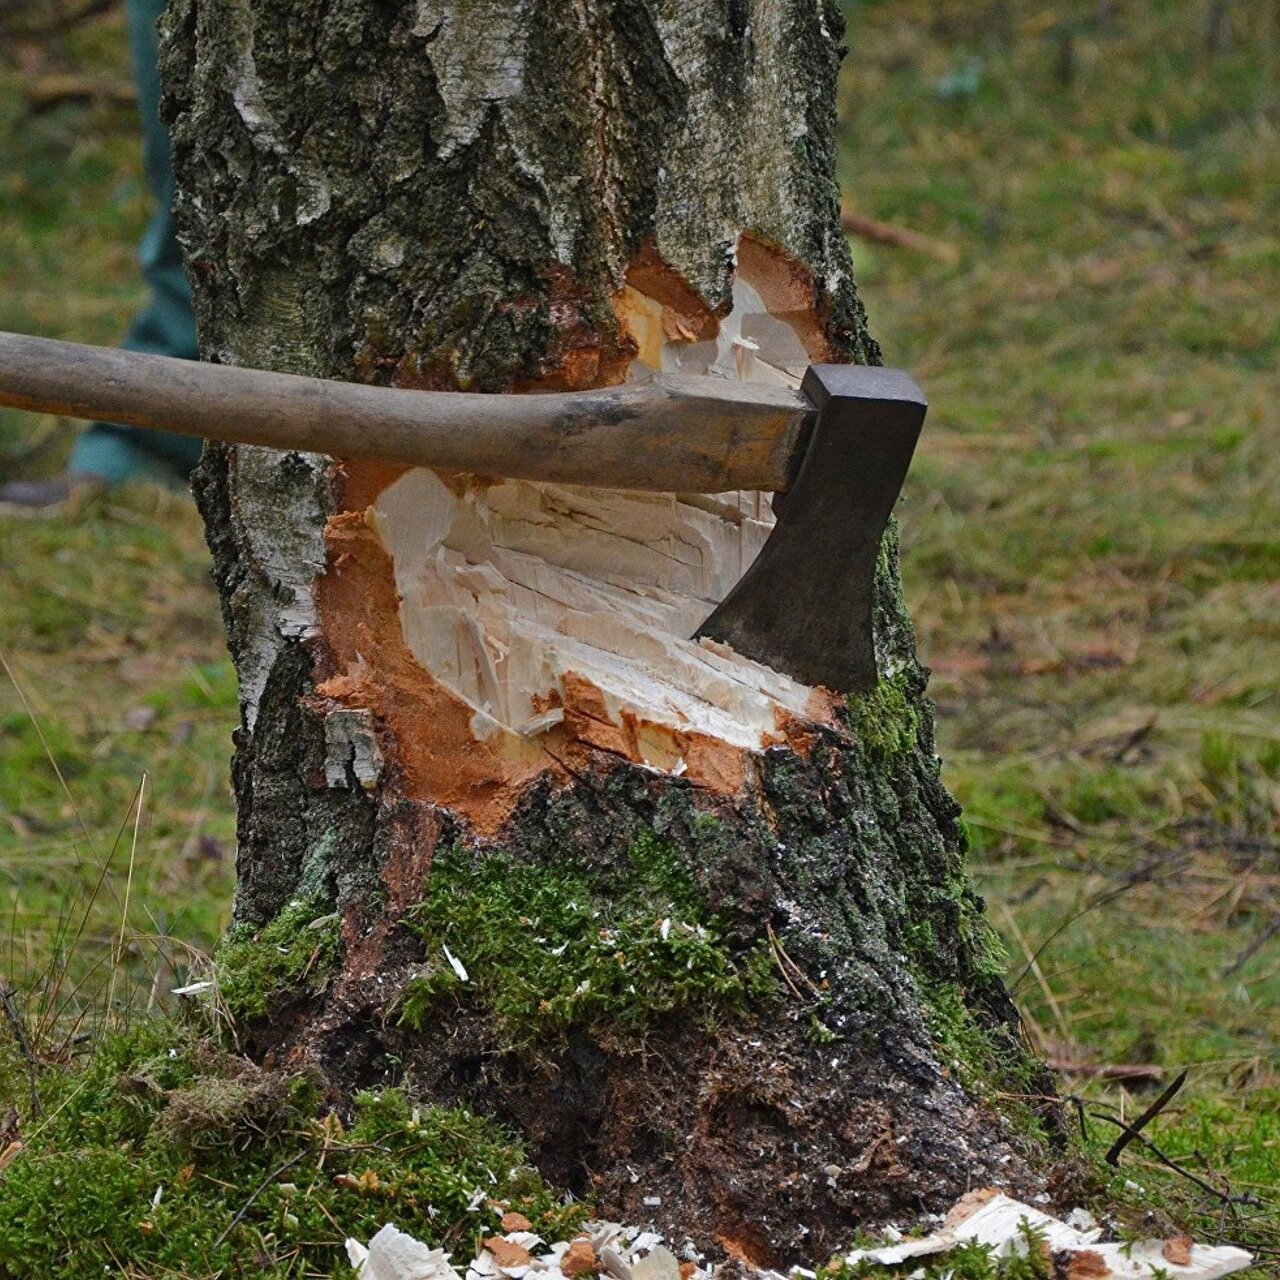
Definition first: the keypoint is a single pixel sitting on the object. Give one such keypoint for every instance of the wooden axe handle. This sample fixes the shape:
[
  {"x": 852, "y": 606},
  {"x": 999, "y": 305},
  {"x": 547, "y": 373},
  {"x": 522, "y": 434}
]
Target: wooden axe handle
[{"x": 666, "y": 434}]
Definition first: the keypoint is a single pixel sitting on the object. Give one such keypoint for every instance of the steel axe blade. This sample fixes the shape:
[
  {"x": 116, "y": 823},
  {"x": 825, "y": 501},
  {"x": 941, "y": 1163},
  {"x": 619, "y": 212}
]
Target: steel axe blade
[
  {"x": 804, "y": 606},
  {"x": 836, "y": 452}
]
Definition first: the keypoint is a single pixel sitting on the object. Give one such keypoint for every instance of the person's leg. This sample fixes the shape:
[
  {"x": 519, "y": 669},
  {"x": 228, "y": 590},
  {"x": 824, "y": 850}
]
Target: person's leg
[
  {"x": 166, "y": 326},
  {"x": 109, "y": 453}
]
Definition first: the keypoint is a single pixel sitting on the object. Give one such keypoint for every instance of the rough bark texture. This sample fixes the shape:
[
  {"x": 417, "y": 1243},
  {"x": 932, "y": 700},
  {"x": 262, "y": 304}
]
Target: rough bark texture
[{"x": 453, "y": 194}]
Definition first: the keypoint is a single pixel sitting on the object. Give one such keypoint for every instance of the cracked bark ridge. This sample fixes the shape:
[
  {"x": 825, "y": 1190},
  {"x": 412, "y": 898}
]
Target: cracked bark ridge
[{"x": 461, "y": 194}]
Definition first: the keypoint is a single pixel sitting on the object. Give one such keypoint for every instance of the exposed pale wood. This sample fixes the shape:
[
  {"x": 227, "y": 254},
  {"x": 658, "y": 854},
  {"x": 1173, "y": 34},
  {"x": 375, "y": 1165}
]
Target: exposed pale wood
[
  {"x": 513, "y": 593},
  {"x": 667, "y": 433}
]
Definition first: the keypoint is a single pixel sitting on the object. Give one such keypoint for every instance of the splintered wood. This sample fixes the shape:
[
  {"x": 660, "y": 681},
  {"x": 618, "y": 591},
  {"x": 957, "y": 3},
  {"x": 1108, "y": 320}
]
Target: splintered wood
[{"x": 561, "y": 614}]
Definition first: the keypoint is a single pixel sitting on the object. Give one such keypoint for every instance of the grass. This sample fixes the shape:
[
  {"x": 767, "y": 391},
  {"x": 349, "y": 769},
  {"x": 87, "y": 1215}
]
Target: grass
[
  {"x": 1089, "y": 531},
  {"x": 1091, "y": 556},
  {"x": 114, "y": 664},
  {"x": 116, "y": 705}
]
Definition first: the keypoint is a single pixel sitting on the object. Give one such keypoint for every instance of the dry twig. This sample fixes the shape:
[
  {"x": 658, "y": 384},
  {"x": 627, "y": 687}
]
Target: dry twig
[
  {"x": 45, "y": 92},
  {"x": 1148, "y": 1072},
  {"x": 1131, "y": 1131},
  {"x": 1253, "y": 948},
  {"x": 19, "y": 1029},
  {"x": 1226, "y": 1197},
  {"x": 16, "y": 18},
  {"x": 877, "y": 232},
  {"x": 257, "y": 1191}
]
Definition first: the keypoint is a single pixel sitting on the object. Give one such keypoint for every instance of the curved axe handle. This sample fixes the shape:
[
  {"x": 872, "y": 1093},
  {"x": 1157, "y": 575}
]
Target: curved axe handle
[
  {"x": 666, "y": 434},
  {"x": 839, "y": 451}
]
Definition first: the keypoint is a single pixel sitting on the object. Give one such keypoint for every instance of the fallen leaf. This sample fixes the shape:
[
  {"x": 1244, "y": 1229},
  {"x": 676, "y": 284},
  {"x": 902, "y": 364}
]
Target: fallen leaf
[{"x": 367, "y": 1182}]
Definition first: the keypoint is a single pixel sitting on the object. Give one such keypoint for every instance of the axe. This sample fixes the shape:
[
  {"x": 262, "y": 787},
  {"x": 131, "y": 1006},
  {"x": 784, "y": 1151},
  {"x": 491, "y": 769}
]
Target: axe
[{"x": 834, "y": 454}]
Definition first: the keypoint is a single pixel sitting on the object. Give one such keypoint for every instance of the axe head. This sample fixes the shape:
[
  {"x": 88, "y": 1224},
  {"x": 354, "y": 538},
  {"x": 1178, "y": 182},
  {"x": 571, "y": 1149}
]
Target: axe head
[{"x": 805, "y": 605}]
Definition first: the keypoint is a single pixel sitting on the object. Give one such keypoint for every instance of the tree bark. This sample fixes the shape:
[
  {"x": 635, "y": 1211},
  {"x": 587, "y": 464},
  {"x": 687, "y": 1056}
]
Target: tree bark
[{"x": 472, "y": 726}]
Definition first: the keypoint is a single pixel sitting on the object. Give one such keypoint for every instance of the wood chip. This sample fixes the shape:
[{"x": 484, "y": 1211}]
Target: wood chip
[
  {"x": 1086, "y": 1265},
  {"x": 659, "y": 1264},
  {"x": 580, "y": 1259},
  {"x": 1177, "y": 1250},
  {"x": 679, "y": 328},
  {"x": 506, "y": 1253},
  {"x": 996, "y": 1220},
  {"x": 516, "y": 1222}
]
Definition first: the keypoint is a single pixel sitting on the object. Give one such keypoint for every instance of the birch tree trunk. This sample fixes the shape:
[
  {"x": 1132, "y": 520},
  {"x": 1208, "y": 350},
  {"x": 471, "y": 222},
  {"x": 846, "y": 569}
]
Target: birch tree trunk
[{"x": 697, "y": 932}]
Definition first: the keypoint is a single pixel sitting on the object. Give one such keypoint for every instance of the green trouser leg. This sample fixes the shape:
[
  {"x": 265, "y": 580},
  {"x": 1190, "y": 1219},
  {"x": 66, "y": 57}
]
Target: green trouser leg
[{"x": 167, "y": 325}]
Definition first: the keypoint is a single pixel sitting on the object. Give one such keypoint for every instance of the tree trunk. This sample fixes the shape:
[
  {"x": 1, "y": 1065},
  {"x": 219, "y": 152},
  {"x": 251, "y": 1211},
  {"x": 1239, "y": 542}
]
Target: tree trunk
[{"x": 696, "y": 931}]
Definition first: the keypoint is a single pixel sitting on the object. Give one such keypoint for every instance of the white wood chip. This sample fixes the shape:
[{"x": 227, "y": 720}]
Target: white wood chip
[
  {"x": 630, "y": 1254},
  {"x": 614, "y": 1265},
  {"x": 996, "y": 1220},
  {"x": 395, "y": 1255},
  {"x": 455, "y": 964},
  {"x": 660, "y": 1264}
]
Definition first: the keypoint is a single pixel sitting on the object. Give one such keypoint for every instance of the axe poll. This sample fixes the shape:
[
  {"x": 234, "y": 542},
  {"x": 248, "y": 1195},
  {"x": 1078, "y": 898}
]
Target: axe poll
[{"x": 834, "y": 454}]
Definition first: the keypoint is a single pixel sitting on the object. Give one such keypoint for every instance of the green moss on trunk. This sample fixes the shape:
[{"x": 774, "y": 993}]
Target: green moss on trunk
[
  {"x": 553, "y": 949},
  {"x": 286, "y": 960}
]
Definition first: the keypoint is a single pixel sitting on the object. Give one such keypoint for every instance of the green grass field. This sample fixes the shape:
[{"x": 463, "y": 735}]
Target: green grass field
[{"x": 1091, "y": 549}]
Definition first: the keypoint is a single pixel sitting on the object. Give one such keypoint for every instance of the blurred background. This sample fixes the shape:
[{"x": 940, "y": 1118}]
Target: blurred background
[{"x": 1066, "y": 221}]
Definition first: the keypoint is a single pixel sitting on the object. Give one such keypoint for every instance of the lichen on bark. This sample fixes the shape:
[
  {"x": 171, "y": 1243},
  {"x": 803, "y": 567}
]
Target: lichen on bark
[{"x": 451, "y": 194}]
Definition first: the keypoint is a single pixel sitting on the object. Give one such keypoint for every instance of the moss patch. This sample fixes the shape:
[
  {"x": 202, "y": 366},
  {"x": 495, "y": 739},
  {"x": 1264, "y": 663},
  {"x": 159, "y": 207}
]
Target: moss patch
[
  {"x": 989, "y": 1061},
  {"x": 547, "y": 948},
  {"x": 167, "y": 1155},
  {"x": 887, "y": 719},
  {"x": 294, "y": 953}
]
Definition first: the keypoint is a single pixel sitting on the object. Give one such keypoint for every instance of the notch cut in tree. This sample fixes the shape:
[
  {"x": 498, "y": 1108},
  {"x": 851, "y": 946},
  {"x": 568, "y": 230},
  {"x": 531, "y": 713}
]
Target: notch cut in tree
[{"x": 698, "y": 931}]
